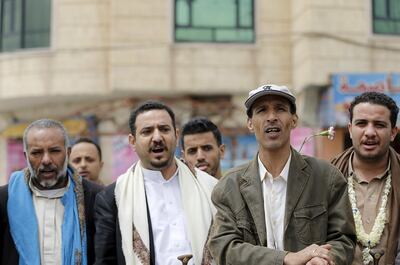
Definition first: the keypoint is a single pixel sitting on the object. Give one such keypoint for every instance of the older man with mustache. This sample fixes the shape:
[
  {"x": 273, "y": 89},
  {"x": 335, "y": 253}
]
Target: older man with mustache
[{"x": 46, "y": 210}]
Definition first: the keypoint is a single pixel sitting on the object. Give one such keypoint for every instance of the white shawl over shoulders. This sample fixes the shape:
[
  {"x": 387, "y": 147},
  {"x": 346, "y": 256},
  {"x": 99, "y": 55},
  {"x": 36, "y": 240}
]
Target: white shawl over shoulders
[{"x": 132, "y": 213}]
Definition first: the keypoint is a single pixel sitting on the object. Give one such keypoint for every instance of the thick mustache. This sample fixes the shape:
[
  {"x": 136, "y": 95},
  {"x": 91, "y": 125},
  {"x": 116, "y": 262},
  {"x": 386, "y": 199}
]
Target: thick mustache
[
  {"x": 47, "y": 168},
  {"x": 157, "y": 146}
]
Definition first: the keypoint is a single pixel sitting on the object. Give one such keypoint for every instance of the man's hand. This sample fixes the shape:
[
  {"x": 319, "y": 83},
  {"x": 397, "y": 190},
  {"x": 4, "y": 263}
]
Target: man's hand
[
  {"x": 311, "y": 255},
  {"x": 318, "y": 261}
]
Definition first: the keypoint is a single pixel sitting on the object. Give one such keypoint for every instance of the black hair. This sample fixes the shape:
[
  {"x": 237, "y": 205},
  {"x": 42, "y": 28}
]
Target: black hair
[
  {"x": 201, "y": 125},
  {"x": 379, "y": 99},
  {"x": 89, "y": 141},
  {"x": 147, "y": 106}
]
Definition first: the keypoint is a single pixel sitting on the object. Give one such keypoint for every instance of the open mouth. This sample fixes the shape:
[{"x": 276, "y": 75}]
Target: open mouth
[
  {"x": 272, "y": 130},
  {"x": 47, "y": 172},
  {"x": 370, "y": 144},
  {"x": 202, "y": 166},
  {"x": 83, "y": 173},
  {"x": 157, "y": 150}
]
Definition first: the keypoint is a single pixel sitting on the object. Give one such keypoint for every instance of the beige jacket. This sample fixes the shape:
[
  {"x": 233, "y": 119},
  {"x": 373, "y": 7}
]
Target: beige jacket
[
  {"x": 341, "y": 161},
  {"x": 317, "y": 211}
]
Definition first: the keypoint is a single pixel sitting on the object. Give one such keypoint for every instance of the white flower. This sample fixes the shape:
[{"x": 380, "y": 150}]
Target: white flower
[
  {"x": 330, "y": 133},
  {"x": 370, "y": 240}
]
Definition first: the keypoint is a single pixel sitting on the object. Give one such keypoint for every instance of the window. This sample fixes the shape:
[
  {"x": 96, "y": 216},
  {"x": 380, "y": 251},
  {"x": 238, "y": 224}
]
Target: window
[
  {"x": 214, "y": 20},
  {"x": 24, "y": 24},
  {"x": 386, "y": 16}
]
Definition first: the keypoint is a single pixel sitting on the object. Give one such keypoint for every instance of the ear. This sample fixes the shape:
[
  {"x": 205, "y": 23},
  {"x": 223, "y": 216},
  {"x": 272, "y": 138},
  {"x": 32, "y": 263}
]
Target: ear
[
  {"x": 183, "y": 154},
  {"x": 221, "y": 151},
  {"x": 101, "y": 164},
  {"x": 69, "y": 151},
  {"x": 393, "y": 133},
  {"x": 250, "y": 125},
  {"x": 132, "y": 140},
  {"x": 349, "y": 129},
  {"x": 294, "y": 120},
  {"x": 181, "y": 142},
  {"x": 177, "y": 133}
]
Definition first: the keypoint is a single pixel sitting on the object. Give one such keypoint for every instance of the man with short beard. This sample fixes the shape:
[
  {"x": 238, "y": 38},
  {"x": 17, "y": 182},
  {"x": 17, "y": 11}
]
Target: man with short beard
[
  {"x": 46, "y": 209},
  {"x": 86, "y": 158},
  {"x": 202, "y": 146},
  {"x": 159, "y": 209},
  {"x": 372, "y": 170}
]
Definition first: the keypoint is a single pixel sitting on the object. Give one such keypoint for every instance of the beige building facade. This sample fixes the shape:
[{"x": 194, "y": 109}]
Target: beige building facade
[{"x": 105, "y": 56}]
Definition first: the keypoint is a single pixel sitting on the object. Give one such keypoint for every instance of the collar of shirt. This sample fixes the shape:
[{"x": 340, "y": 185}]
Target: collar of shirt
[
  {"x": 264, "y": 172},
  {"x": 353, "y": 174},
  {"x": 156, "y": 176},
  {"x": 50, "y": 194}
]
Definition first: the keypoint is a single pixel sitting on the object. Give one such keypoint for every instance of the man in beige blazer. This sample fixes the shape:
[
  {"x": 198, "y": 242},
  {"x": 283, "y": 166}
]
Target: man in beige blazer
[{"x": 282, "y": 207}]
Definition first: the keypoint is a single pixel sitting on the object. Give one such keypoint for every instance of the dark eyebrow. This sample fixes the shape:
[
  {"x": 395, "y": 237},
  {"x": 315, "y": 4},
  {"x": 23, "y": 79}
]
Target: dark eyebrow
[
  {"x": 282, "y": 104},
  {"x": 192, "y": 148},
  {"x": 55, "y": 148},
  {"x": 35, "y": 150},
  {"x": 359, "y": 120},
  {"x": 259, "y": 107},
  {"x": 146, "y": 128}
]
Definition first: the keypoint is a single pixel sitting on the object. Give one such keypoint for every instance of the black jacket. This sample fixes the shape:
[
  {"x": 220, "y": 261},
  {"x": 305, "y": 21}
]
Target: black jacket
[
  {"x": 8, "y": 252},
  {"x": 108, "y": 248}
]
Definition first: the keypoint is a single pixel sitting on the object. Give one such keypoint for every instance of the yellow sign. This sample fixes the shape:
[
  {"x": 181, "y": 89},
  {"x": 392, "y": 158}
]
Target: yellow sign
[{"x": 73, "y": 126}]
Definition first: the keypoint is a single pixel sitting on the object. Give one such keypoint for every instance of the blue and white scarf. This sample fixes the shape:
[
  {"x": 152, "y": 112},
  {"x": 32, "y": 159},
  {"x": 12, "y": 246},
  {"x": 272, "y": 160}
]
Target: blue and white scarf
[{"x": 24, "y": 226}]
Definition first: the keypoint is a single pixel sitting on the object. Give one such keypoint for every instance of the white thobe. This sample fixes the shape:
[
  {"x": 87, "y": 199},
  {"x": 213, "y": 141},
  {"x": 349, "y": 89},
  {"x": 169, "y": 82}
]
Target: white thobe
[{"x": 167, "y": 218}]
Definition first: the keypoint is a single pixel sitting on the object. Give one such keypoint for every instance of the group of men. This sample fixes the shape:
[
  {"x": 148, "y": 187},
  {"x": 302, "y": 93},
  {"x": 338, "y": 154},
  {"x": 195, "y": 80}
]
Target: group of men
[
  {"x": 201, "y": 143},
  {"x": 280, "y": 208}
]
